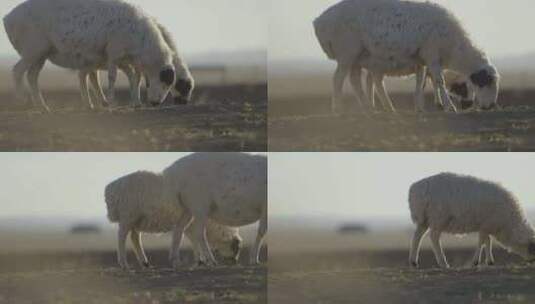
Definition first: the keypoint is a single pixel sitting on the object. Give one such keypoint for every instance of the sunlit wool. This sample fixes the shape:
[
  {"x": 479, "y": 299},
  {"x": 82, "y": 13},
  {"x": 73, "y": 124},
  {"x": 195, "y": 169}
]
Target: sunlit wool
[
  {"x": 228, "y": 188},
  {"x": 462, "y": 204},
  {"x": 135, "y": 201},
  {"x": 392, "y": 37}
]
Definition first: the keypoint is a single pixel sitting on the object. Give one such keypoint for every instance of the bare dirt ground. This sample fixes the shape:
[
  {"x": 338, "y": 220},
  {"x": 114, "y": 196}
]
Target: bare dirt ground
[
  {"x": 361, "y": 275},
  {"x": 228, "y": 118},
  {"x": 308, "y": 125},
  {"x": 92, "y": 277}
]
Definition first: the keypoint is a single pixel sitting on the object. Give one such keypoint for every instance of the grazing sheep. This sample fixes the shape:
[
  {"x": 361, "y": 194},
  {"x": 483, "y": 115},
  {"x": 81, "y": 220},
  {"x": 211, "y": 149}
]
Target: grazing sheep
[
  {"x": 462, "y": 204},
  {"x": 228, "y": 188},
  {"x": 87, "y": 35},
  {"x": 135, "y": 202},
  {"x": 184, "y": 84},
  {"x": 403, "y": 37}
]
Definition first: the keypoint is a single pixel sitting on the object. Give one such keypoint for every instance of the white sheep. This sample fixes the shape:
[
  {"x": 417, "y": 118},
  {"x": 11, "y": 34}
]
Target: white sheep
[
  {"x": 135, "y": 202},
  {"x": 87, "y": 35},
  {"x": 402, "y": 37},
  {"x": 228, "y": 188},
  {"x": 461, "y": 204}
]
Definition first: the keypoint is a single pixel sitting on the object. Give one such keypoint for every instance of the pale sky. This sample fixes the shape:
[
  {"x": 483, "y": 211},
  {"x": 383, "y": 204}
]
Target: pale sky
[
  {"x": 375, "y": 185},
  {"x": 67, "y": 184},
  {"x": 198, "y": 25},
  {"x": 500, "y": 27}
]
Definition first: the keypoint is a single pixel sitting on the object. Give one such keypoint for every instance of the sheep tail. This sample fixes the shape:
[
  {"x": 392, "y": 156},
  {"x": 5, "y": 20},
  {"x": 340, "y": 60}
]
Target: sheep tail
[
  {"x": 418, "y": 202},
  {"x": 111, "y": 205}
]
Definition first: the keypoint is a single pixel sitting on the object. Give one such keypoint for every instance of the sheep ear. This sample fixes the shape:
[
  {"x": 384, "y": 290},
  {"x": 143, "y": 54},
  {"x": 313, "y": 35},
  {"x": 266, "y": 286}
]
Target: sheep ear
[
  {"x": 482, "y": 78},
  {"x": 531, "y": 248},
  {"x": 167, "y": 76},
  {"x": 460, "y": 89}
]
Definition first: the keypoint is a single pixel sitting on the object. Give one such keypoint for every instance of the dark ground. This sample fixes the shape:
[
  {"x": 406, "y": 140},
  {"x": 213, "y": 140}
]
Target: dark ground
[
  {"x": 378, "y": 277},
  {"x": 231, "y": 118},
  {"x": 308, "y": 125},
  {"x": 93, "y": 277}
]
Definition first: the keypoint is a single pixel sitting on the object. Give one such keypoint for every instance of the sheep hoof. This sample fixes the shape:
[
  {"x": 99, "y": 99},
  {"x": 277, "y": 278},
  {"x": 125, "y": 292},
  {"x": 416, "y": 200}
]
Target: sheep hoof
[
  {"x": 490, "y": 263},
  {"x": 414, "y": 264},
  {"x": 146, "y": 265}
]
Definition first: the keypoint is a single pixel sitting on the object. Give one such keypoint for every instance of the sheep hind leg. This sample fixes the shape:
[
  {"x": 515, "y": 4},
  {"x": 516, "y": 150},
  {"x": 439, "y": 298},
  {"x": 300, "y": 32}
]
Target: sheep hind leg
[
  {"x": 437, "y": 249},
  {"x": 370, "y": 89},
  {"x": 414, "y": 252},
  {"x": 178, "y": 235},
  {"x": 254, "y": 257},
  {"x": 121, "y": 247},
  {"x": 381, "y": 92},
  {"x": 18, "y": 78},
  {"x": 476, "y": 260},
  {"x": 356, "y": 83},
  {"x": 135, "y": 237},
  {"x": 33, "y": 81}
]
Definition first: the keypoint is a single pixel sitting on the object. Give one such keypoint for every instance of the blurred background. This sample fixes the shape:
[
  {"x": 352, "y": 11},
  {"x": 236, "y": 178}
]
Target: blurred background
[{"x": 300, "y": 71}]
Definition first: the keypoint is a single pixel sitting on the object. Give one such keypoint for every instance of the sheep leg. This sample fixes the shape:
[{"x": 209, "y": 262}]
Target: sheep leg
[
  {"x": 381, "y": 92},
  {"x": 415, "y": 245},
  {"x": 370, "y": 89},
  {"x": 419, "y": 97},
  {"x": 440, "y": 84},
  {"x": 33, "y": 77},
  {"x": 135, "y": 85},
  {"x": 477, "y": 255},
  {"x": 97, "y": 88},
  {"x": 338, "y": 84},
  {"x": 18, "y": 75},
  {"x": 112, "y": 78},
  {"x": 489, "y": 257},
  {"x": 356, "y": 83},
  {"x": 121, "y": 248},
  {"x": 178, "y": 234},
  {"x": 84, "y": 89},
  {"x": 254, "y": 258},
  {"x": 135, "y": 237},
  {"x": 437, "y": 249},
  {"x": 199, "y": 234}
]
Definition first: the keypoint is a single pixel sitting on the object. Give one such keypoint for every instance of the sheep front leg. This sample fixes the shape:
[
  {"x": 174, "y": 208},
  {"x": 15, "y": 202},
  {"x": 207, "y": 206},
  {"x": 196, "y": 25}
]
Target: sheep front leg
[
  {"x": 134, "y": 78},
  {"x": 338, "y": 83},
  {"x": 419, "y": 97},
  {"x": 97, "y": 88},
  {"x": 84, "y": 89},
  {"x": 489, "y": 257},
  {"x": 121, "y": 248},
  {"x": 381, "y": 92},
  {"x": 199, "y": 234},
  {"x": 135, "y": 236},
  {"x": 254, "y": 257},
  {"x": 112, "y": 78},
  {"x": 437, "y": 249},
  {"x": 178, "y": 234},
  {"x": 415, "y": 245},
  {"x": 370, "y": 89},
  {"x": 476, "y": 260},
  {"x": 18, "y": 78},
  {"x": 440, "y": 84}
]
